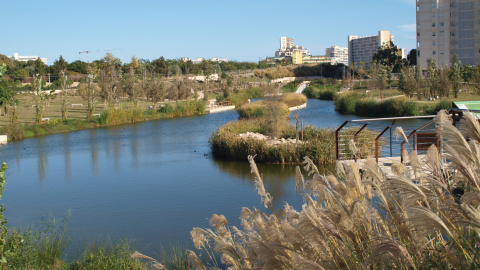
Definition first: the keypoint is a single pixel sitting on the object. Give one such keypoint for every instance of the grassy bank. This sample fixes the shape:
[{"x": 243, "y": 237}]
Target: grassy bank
[
  {"x": 108, "y": 117},
  {"x": 353, "y": 103}
]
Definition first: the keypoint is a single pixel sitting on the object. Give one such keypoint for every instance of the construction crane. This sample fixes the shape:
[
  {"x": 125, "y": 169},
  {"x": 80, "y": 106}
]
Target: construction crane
[{"x": 88, "y": 53}]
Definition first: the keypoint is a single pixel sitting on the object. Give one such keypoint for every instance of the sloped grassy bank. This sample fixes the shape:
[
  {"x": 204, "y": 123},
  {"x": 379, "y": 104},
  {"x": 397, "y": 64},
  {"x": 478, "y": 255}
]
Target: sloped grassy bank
[{"x": 108, "y": 117}]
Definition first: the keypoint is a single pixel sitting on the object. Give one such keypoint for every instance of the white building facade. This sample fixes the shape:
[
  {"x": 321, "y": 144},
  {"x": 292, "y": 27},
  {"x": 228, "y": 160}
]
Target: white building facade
[
  {"x": 338, "y": 54},
  {"x": 362, "y": 49},
  {"x": 446, "y": 28},
  {"x": 17, "y": 57}
]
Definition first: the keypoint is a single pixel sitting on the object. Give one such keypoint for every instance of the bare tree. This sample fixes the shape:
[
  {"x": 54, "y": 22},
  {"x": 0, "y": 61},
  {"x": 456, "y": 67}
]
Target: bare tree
[
  {"x": 132, "y": 86},
  {"x": 155, "y": 89},
  {"x": 40, "y": 97},
  {"x": 64, "y": 84},
  {"x": 89, "y": 92}
]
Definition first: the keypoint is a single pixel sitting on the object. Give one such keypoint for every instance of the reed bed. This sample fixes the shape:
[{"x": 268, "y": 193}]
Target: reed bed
[
  {"x": 225, "y": 143},
  {"x": 423, "y": 215}
]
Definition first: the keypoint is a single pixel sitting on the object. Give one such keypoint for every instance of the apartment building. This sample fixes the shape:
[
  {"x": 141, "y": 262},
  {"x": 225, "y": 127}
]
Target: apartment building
[
  {"x": 17, "y": 57},
  {"x": 287, "y": 48},
  {"x": 362, "y": 49},
  {"x": 286, "y": 43},
  {"x": 446, "y": 28},
  {"x": 339, "y": 55}
]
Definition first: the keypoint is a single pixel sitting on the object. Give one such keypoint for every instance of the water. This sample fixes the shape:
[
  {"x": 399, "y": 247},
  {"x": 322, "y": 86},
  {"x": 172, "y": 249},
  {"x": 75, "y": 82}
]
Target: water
[{"x": 151, "y": 182}]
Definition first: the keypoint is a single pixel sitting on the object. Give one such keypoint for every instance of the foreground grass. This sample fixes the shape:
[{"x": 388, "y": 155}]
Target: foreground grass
[{"x": 45, "y": 249}]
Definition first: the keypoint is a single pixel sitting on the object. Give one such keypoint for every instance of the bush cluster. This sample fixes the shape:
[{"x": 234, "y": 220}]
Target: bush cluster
[
  {"x": 351, "y": 103},
  {"x": 312, "y": 92}
]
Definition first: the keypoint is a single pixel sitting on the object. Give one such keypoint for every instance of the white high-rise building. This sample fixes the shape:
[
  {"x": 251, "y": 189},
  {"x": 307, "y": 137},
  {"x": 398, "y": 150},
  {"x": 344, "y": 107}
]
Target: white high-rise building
[
  {"x": 446, "y": 28},
  {"x": 285, "y": 43},
  {"x": 17, "y": 57},
  {"x": 338, "y": 54},
  {"x": 362, "y": 49}
]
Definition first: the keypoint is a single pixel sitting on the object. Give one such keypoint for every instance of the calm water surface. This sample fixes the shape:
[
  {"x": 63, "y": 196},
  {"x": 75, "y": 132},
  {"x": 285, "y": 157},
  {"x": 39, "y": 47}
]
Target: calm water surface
[{"x": 151, "y": 182}]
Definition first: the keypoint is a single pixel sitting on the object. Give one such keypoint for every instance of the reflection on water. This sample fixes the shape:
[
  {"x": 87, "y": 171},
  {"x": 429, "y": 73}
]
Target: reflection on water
[
  {"x": 68, "y": 159},
  {"x": 42, "y": 161},
  {"x": 277, "y": 178}
]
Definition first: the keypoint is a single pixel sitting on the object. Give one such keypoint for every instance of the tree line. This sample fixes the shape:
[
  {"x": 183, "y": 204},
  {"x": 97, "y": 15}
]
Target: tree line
[{"x": 18, "y": 70}]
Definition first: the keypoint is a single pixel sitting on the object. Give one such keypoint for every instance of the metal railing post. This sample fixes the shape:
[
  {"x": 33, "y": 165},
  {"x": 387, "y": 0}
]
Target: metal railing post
[
  {"x": 376, "y": 142},
  {"x": 337, "y": 131}
]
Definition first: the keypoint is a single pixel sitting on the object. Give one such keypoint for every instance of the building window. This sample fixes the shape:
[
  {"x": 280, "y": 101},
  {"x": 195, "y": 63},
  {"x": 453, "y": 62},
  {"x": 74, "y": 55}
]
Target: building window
[
  {"x": 434, "y": 34},
  {"x": 434, "y": 43},
  {"x": 434, "y": 52},
  {"x": 442, "y": 24},
  {"x": 433, "y": 24}
]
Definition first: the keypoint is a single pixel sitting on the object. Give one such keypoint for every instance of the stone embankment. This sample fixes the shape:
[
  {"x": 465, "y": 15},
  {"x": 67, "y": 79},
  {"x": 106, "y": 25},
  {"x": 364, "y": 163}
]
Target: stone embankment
[{"x": 270, "y": 141}]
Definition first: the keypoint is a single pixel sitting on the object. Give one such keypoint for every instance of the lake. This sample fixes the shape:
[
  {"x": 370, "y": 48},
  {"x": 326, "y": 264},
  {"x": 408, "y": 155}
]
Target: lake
[{"x": 150, "y": 182}]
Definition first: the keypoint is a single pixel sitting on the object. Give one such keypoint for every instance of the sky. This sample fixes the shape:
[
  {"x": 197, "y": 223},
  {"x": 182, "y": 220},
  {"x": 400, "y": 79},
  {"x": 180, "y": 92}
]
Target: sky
[{"x": 245, "y": 30}]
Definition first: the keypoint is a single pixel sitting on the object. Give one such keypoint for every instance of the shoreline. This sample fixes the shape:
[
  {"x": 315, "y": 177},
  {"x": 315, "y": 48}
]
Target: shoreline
[{"x": 19, "y": 131}]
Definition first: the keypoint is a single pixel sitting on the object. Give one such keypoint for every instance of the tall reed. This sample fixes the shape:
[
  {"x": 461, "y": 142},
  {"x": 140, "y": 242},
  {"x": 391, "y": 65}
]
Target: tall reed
[{"x": 424, "y": 214}]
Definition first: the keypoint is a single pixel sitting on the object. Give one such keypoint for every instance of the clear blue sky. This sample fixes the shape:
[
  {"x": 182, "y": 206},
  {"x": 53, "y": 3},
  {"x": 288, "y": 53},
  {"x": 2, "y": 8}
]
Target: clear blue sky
[{"x": 244, "y": 30}]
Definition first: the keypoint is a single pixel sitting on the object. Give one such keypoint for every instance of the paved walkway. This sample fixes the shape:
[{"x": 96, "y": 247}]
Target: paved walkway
[{"x": 302, "y": 87}]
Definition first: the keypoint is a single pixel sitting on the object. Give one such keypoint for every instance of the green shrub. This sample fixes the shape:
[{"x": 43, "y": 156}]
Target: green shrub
[
  {"x": 345, "y": 103},
  {"x": 254, "y": 92},
  {"x": 311, "y": 92},
  {"x": 238, "y": 99},
  {"x": 350, "y": 103},
  {"x": 15, "y": 132},
  {"x": 368, "y": 107},
  {"x": 328, "y": 95}
]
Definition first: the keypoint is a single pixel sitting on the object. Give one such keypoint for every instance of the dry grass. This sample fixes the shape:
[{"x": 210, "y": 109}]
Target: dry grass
[{"x": 427, "y": 216}]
